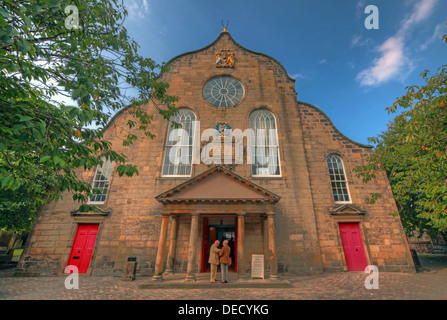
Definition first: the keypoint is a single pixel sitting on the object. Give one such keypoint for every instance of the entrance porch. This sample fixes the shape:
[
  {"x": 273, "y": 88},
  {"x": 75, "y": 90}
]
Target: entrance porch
[{"x": 217, "y": 203}]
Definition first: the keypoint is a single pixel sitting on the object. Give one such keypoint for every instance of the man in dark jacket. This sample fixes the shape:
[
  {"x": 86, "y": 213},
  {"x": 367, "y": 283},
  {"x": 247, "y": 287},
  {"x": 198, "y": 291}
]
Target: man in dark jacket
[{"x": 225, "y": 260}]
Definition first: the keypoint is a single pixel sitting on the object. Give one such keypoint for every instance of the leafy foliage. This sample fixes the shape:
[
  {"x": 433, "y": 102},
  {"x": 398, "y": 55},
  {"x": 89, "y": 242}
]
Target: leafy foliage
[
  {"x": 43, "y": 141},
  {"x": 413, "y": 152}
]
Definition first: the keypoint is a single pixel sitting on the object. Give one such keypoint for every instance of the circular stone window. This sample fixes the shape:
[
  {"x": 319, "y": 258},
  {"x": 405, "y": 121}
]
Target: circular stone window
[{"x": 223, "y": 91}]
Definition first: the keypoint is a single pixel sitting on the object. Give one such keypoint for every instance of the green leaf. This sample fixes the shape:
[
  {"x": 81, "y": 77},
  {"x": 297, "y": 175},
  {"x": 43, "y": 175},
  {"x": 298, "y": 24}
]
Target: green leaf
[
  {"x": 25, "y": 118},
  {"x": 16, "y": 185},
  {"x": 57, "y": 160},
  {"x": 23, "y": 45},
  {"x": 4, "y": 13},
  {"x": 7, "y": 181},
  {"x": 44, "y": 159}
]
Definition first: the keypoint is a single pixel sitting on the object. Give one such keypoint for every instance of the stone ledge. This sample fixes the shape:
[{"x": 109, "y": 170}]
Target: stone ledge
[
  {"x": 177, "y": 281},
  {"x": 203, "y": 285}
]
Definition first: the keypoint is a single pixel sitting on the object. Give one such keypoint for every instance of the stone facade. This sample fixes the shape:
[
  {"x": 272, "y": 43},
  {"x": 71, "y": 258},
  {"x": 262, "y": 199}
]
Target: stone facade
[{"x": 298, "y": 233}]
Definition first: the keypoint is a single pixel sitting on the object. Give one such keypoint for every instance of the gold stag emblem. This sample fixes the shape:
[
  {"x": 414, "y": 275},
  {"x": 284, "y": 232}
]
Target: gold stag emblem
[{"x": 224, "y": 58}]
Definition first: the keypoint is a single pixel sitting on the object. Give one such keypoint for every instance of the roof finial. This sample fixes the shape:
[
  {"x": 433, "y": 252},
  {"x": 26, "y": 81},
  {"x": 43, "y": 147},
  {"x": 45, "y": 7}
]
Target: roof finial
[{"x": 225, "y": 26}]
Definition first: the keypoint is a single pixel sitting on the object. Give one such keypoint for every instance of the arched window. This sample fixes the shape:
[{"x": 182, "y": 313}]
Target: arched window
[
  {"x": 179, "y": 144},
  {"x": 264, "y": 144},
  {"x": 338, "y": 179},
  {"x": 101, "y": 182}
]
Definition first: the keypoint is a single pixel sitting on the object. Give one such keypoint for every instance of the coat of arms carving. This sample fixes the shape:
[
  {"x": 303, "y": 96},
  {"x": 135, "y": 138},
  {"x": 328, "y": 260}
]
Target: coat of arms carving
[
  {"x": 222, "y": 129},
  {"x": 224, "y": 58}
]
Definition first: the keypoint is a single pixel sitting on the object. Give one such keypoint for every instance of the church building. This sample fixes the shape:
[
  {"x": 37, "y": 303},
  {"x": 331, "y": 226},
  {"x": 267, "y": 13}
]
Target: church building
[{"x": 249, "y": 164}]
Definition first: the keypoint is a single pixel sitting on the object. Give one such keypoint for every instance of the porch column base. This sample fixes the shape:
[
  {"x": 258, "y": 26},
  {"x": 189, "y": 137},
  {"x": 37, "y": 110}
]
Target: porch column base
[
  {"x": 274, "y": 277},
  {"x": 241, "y": 278}
]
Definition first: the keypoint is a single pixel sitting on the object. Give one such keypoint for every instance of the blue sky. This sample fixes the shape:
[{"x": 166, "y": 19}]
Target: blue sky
[{"x": 349, "y": 72}]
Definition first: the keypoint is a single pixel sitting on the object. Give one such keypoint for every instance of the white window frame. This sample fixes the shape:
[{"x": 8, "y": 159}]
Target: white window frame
[
  {"x": 168, "y": 143},
  {"x": 253, "y": 142},
  {"x": 107, "y": 169},
  {"x": 345, "y": 181}
]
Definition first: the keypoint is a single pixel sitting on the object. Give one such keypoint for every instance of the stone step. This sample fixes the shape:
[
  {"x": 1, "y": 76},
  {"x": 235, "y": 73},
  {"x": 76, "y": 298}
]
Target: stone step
[{"x": 178, "y": 281}]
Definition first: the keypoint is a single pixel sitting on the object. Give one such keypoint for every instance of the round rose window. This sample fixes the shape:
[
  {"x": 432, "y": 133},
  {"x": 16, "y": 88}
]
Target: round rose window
[{"x": 223, "y": 91}]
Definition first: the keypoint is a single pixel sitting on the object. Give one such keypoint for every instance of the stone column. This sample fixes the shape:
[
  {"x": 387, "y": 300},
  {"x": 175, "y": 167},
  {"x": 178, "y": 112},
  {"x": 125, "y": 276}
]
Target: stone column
[
  {"x": 172, "y": 244},
  {"x": 161, "y": 248},
  {"x": 241, "y": 272},
  {"x": 191, "y": 270},
  {"x": 272, "y": 248}
]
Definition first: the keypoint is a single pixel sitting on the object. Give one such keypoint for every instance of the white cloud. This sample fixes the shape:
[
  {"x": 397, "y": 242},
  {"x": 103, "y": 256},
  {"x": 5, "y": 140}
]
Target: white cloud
[
  {"x": 322, "y": 61},
  {"x": 422, "y": 10},
  {"x": 359, "y": 41},
  {"x": 360, "y": 9},
  {"x": 296, "y": 76},
  {"x": 137, "y": 9},
  {"x": 437, "y": 35},
  {"x": 388, "y": 65},
  {"x": 393, "y": 62}
]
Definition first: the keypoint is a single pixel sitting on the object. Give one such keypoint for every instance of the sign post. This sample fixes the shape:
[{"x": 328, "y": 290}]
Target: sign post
[{"x": 257, "y": 266}]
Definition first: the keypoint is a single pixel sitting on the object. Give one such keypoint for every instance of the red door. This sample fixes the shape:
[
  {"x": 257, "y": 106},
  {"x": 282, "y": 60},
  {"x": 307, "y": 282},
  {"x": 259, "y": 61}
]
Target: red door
[
  {"x": 351, "y": 239},
  {"x": 83, "y": 245}
]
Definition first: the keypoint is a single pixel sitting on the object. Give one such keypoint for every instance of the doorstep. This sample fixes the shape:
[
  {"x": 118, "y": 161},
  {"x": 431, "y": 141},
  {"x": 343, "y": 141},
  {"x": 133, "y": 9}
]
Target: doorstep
[{"x": 177, "y": 281}]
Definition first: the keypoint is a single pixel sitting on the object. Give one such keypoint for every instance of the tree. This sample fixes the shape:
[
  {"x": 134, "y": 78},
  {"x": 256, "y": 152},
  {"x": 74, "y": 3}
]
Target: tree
[
  {"x": 19, "y": 206},
  {"x": 412, "y": 151},
  {"x": 78, "y": 50}
]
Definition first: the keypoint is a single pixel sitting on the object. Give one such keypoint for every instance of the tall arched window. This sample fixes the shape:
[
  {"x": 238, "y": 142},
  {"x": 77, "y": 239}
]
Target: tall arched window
[
  {"x": 101, "y": 182},
  {"x": 338, "y": 179},
  {"x": 179, "y": 144},
  {"x": 264, "y": 144}
]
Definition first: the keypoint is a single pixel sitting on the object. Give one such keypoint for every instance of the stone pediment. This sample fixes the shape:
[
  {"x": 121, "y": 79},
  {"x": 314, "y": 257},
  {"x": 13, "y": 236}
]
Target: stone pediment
[
  {"x": 95, "y": 212},
  {"x": 218, "y": 185},
  {"x": 346, "y": 210}
]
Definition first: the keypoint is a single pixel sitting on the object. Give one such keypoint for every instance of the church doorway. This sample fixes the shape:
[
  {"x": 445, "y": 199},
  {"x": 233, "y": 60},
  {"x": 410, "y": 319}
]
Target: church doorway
[{"x": 219, "y": 229}]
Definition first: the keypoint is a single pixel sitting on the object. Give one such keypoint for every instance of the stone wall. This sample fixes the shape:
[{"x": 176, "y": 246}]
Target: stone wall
[
  {"x": 307, "y": 238},
  {"x": 383, "y": 235}
]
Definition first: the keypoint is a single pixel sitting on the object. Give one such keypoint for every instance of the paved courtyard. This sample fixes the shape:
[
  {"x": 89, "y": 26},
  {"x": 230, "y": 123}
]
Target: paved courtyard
[{"x": 346, "y": 285}]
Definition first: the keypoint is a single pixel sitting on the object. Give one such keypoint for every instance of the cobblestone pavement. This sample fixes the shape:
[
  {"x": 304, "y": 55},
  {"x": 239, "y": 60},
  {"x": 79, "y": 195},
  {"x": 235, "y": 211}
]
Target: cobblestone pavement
[{"x": 345, "y": 285}]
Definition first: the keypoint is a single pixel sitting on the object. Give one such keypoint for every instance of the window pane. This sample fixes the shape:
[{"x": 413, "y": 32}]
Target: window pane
[
  {"x": 179, "y": 144},
  {"x": 264, "y": 144},
  {"x": 100, "y": 183},
  {"x": 338, "y": 179}
]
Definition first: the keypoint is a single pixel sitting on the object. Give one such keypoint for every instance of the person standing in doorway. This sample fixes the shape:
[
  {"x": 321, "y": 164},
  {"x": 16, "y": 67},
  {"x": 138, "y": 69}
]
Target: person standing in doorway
[
  {"x": 225, "y": 260},
  {"x": 214, "y": 260},
  {"x": 231, "y": 245}
]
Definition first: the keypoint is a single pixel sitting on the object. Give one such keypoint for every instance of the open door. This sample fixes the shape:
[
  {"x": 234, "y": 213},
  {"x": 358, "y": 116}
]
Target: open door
[{"x": 219, "y": 232}]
